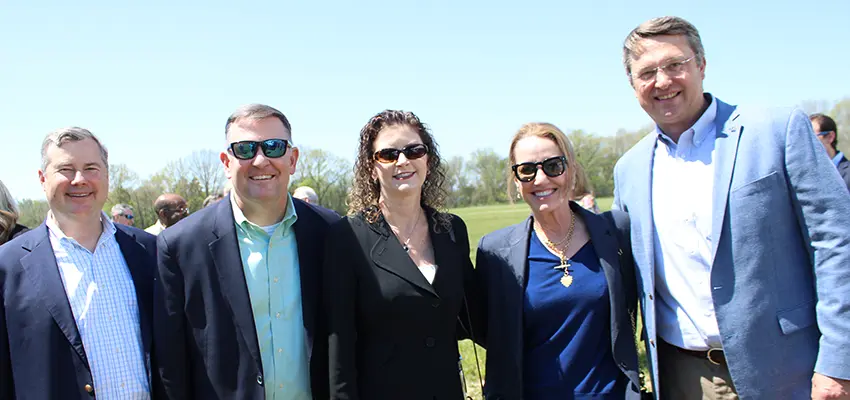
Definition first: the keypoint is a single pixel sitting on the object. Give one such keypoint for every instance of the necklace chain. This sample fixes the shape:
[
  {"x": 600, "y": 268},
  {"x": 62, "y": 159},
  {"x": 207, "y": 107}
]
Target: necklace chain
[
  {"x": 556, "y": 247},
  {"x": 397, "y": 231}
]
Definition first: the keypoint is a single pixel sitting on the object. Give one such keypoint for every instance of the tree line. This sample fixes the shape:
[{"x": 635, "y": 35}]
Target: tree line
[{"x": 481, "y": 178}]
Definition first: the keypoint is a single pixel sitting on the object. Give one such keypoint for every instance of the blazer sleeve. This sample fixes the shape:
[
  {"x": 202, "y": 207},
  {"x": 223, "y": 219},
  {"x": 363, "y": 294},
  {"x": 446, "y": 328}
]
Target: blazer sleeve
[
  {"x": 7, "y": 385},
  {"x": 620, "y": 221},
  {"x": 470, "y": 311},
  {"x": 173, "y": 375},
  {"x": 340, "y": 300},
  {"x": 822, "y": 203}
]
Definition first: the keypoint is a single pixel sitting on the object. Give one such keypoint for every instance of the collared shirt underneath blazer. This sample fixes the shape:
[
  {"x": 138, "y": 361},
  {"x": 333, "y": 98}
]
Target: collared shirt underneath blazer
[
  {"x": 41, "y": 351},
  {"x": 392, "y": 334},
  {"x": 501, "y": 275},
  {"x": 206, "y": 339}
]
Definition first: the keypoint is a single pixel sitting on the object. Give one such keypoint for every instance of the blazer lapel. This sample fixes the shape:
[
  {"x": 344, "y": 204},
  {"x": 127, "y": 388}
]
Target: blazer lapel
[
  {"x": 606, "y": 247},
  {"x": 139, "y": 264},
  {"x": 309, "y": 264},
  {"x": 517, "y": 251},
  {"x": 449, "y": 261},
  {"x": 228, "y": 263},
  {"x": 726, "y": 150},
  {"x": 43, "y": 271},
  {"x": 388, "y": 254},
  {"x": 642, "y": 208}
]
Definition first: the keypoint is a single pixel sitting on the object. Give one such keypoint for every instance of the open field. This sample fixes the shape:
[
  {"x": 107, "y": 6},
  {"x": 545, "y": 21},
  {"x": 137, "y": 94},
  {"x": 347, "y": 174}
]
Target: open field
[{"x": 481, "y": 221}]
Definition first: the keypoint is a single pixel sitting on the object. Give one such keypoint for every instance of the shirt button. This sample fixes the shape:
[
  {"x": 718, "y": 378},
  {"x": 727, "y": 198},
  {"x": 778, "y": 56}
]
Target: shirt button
[
  {"x": 277, "y": 315},
  {"x": 276, "y": 279},
  {"x": 260, "y": 380},
  {"x": 430, "y": 342},
  {"x": 280, "y": 386},
  {"x": 280, "y": 351},
  {"x": 650, "y": 296},
  {"x": 652, "y": 342}
]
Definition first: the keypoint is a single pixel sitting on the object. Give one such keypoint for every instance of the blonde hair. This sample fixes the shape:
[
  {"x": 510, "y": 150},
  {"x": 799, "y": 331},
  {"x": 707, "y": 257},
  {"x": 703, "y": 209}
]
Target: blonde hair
[{"x": 551, "y": 132}]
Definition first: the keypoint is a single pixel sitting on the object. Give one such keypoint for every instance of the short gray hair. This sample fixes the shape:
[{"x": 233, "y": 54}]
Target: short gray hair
[
  {"x": 659, "y": 27},
  {"x": 73, "y": 134},
  {"x": 121, "y": 209},
  {"x": 7, "y": 202},
  {"x": 253, "y": 112},
  {"x": 307, "y": 192}
]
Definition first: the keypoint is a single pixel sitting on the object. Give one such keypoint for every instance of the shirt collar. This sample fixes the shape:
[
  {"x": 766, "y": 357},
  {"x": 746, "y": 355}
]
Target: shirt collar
[
  {"x": 288, "y": 220},
  {"x": 701, "y": 128},
  {"x": 837, "y": 159},
  {"x": 108, "y": 227}
]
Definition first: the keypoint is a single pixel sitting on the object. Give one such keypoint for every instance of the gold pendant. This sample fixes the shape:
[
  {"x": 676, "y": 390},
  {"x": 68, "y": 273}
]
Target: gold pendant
[{"x": 567, "y": 279}]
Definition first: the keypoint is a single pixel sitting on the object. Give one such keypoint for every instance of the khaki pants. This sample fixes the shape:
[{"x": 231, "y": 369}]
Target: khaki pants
[{"x": 687, "y": 377}]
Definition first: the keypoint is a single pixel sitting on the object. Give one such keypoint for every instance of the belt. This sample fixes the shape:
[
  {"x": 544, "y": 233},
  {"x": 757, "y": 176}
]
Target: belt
[{"x": 715, "y": 356}]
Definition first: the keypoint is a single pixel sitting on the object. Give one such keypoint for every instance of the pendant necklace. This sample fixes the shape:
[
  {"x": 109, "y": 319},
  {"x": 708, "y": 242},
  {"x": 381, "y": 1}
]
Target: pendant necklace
[
  {"x": 406, "y": 244},
  {"x": 565, "y": 265}
]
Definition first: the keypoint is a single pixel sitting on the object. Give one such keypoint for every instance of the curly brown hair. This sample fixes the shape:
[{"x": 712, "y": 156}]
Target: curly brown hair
[{"x": 366, "y": 191}]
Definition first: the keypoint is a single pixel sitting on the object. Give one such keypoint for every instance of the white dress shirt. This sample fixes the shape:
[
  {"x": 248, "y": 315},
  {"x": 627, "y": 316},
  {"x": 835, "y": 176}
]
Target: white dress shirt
[
  {"x": 103, "y": 300},
  {"x": 682, "y": 192}
]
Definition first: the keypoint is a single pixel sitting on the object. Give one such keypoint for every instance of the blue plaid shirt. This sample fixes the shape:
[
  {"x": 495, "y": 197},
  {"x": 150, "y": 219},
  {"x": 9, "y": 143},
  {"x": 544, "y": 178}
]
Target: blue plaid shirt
[{"x": 102, "y": 296}]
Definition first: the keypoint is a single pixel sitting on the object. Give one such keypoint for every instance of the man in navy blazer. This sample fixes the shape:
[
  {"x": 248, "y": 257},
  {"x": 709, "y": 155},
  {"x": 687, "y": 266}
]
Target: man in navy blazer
[
  {"x": 239, "y": 281},
  {"x": 76, "y": 292},
  {"x": 741, "y": 235}
]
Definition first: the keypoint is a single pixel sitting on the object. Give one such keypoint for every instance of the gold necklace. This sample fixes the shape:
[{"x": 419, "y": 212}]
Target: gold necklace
[{"x": 565, "y": 265}]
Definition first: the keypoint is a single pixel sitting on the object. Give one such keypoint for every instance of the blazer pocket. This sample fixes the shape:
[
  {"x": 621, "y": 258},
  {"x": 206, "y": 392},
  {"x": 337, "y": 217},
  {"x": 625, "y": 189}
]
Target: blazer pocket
[
  {"x": 757, "y": 186},
  {"x": 797, "y": 318}
]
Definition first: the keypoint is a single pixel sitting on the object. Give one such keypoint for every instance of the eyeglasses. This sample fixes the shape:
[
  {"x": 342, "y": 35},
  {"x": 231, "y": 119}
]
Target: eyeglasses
[
  {"x": 247, "y": 149},
  {"x": 411, "y": 152},
  {"x": 674, "y": 68},
  {"x": 181, "y": 210},
  {"x": 552, "y": 167}
]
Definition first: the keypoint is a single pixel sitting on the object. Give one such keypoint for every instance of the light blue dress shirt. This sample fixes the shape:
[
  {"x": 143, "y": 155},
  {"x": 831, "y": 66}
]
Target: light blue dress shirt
[
  {"x": 682, "y": 193},
  {"x": 103, "y": 300},
  {"x": 837, "y": 159},
  {"x": 270, "y": 263}
]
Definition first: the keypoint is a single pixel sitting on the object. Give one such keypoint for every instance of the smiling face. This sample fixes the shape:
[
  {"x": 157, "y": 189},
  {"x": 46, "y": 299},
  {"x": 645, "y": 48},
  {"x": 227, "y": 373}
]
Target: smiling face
[
  {"x": 75, "y": 180},
  {"x": 262, "y": 181},
  {"x": 673, "y": 100},
  {"x": 544, "y": 193},
  {"x": 403, "y": 177}
]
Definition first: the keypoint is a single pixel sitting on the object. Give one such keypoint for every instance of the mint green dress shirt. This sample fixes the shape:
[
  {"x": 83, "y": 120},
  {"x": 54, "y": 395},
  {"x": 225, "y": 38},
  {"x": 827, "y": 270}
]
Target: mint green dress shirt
[{"x": 270, "y": 263}]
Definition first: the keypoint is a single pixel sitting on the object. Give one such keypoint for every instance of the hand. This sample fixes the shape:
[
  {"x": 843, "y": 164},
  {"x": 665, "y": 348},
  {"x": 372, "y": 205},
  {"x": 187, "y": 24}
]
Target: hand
[{"x": 827, "y": 388}]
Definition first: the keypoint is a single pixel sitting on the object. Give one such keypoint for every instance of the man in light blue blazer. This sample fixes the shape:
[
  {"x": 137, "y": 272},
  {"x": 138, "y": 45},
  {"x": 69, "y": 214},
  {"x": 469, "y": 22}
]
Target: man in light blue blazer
[{"x": 740, "y": 229}]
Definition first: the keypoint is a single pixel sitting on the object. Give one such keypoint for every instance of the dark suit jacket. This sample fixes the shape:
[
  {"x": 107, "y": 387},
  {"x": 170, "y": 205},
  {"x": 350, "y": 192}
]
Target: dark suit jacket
[
  {"x": 501, "y": 267},
  {"x": 41, "y": 351},
  {"x": 844, "y": 171},
  {"x": 392, "y": 334},
  {"x": 206, "y": 338}
]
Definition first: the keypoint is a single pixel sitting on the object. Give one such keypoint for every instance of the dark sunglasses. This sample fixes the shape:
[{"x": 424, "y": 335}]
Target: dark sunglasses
[
  {"x": 128, "y": 216},
  {"x": 552, "y": 167},
  {"x": 411, "y": 152},
  {"x": 247, "y": 149}
]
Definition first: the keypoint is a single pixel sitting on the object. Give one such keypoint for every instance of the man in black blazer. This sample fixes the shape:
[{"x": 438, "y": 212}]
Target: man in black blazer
[
  {"x": 228, "y": 322},
  {"x": 827, "y": 133},
  {"x": 76, "y": 292}
]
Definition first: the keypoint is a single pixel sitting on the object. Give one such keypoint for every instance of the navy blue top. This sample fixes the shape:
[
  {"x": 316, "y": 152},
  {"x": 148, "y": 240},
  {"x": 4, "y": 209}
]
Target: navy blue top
[{"x": 567, "y": 330}]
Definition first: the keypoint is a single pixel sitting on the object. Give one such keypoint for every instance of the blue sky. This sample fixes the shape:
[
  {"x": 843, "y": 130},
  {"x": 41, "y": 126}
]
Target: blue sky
[{"x": 157, "y": 80}]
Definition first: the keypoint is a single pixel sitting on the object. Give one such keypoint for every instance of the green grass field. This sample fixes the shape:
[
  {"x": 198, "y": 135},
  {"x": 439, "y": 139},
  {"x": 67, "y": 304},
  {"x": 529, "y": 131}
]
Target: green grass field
[{"x": 481, "y": 221}]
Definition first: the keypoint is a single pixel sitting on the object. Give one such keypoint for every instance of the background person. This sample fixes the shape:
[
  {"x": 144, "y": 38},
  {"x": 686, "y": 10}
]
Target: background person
[
  {"x": 170, "y": 209},
  {"x": 9, "y": 226},
  {"x": 123, "y": 214},
  {"x": 827, "y": 133},
  {"x": 306, "y": 194}
]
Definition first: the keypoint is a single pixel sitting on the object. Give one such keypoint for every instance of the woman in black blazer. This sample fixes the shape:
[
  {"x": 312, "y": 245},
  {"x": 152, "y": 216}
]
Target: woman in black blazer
[
  {"x": 396, "y": 271},
  {"x": 559, "y": 288}
]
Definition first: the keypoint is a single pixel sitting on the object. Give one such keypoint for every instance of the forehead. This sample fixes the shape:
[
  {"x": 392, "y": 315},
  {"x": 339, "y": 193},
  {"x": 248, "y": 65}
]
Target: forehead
[
  {"x": 656, "y": 49},
  {"x": 79, "y": 152},
  {"x": 396, "y": 136},
  {"x": 815, "y": 126},
  {"x": 535, "y": 148},
  {"x": 257, "y": 129}
]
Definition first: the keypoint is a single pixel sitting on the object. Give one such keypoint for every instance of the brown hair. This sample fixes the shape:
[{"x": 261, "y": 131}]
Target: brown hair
[
  {"x": 551, "y": 132},
  {"x": 7, "y": 224},
  {"x": 365, "y": 191},
  {"x": 72, "y": 134},
  {"x": 826, "y": 124},
  {"x": 661, "y": 26}
]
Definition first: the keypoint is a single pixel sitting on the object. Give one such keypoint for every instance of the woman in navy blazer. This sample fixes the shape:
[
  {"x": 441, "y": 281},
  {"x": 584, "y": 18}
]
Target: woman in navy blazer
[
  {"x": 559, "y": 289},
  {"x": 396, "y": 272}
]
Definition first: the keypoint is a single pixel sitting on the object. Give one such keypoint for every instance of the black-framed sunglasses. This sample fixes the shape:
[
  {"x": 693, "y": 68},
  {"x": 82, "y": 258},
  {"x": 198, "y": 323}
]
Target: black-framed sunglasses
[
  {"x": 411, "y": 152},
  {"x": 247, "y": 149},
  {"x": 552, "y": 167}
]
